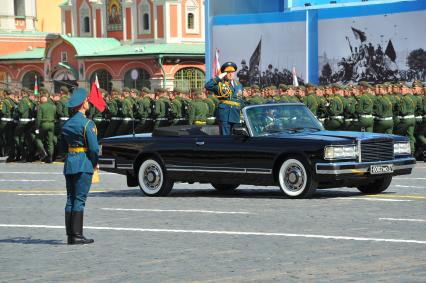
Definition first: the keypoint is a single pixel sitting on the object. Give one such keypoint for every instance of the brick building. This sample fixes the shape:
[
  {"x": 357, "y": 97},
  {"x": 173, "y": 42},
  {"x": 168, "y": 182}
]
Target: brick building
[{"x": 160, "y": 41}]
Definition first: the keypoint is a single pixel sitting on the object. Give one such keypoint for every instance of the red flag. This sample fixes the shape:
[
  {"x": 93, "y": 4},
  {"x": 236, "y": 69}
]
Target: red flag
[
  {"x": 216, "y": 64},
  {"x": 95, "y": 96}
]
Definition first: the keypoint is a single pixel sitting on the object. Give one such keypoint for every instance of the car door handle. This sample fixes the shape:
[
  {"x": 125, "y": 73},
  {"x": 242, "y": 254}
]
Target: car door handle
[{"x": 199, "y": 143}]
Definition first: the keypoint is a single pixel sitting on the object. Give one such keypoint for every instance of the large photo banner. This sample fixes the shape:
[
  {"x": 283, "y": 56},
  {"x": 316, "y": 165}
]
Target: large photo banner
[
  {"x": 389, "y": 47},
  {"x": 266, "y": 54}
]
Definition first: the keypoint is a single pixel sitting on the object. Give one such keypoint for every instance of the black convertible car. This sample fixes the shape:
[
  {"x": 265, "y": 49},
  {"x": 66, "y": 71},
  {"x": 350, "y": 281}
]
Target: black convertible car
[{"x": 278, "y": 144}]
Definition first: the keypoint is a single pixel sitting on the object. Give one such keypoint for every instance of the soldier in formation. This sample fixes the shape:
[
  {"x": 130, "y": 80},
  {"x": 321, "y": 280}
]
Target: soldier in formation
[{"x": 30, "y": 124}]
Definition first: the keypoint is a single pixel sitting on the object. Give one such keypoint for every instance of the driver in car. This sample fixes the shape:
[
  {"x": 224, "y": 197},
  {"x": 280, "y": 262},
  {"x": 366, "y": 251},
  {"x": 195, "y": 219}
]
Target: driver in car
[{"x": 229, "y": 92}]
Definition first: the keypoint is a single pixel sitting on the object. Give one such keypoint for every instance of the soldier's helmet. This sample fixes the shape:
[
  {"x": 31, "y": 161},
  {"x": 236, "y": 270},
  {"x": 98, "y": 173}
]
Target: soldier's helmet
[{"x": 228, "y": 67}]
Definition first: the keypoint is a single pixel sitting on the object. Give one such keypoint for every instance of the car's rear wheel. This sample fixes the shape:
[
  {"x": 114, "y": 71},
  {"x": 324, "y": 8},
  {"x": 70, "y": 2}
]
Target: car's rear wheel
[
  {"x": 152, "y": 179},
  {"x": 296, "y": 179},
  {"x": 376, "y": 187},
  {"x": 225, "y": 187}
]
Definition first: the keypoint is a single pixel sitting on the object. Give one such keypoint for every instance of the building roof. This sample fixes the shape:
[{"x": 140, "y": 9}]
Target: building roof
[
  {"x": 153, "y": 49},
  {"x": 87, "y": 46},
  {"x": 36, "y": 53}
]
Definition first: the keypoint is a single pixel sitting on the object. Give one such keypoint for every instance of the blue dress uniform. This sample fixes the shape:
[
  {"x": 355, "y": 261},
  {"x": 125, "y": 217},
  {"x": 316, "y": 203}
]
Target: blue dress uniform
[
  {"x": 229, "y": 95},
  {"x": 79, "y": 140}
]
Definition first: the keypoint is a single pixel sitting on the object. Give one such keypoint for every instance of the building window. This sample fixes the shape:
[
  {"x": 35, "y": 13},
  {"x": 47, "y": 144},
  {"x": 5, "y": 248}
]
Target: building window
[
  {"x": 19, "y": 6},
  {"x": 189, "y": 78},
  {"x": 191, "y": 21},
  {"x": 144, "y": 18},
  {"x": 29, "y": 78},
  {"x": 192, "y": 16},
  {"x": 145, "y": 22},
  {"x": 104, "y": 78},
  {"x": 141, "y": 82},
  {"x": 84, "y": 19},
  {"x": 87, "y": 24},
  {"x": 64, "y": 57}
]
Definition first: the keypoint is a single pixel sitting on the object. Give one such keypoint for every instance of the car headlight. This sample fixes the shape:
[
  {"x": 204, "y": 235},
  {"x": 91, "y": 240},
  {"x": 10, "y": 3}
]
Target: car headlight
[
  {"x": 402, "y": 148},
  {"x": 340, "y": 152}
]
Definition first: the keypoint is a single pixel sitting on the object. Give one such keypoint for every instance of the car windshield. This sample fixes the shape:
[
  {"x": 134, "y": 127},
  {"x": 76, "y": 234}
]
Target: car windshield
[{"x": 266, "y": 120}]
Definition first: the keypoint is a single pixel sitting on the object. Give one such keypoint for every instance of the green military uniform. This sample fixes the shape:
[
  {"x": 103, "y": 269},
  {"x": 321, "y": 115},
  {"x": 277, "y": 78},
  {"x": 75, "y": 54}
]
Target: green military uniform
[
  {"x": 421, "y": 132},
  {"x": 23, "y": 138},
  {"x": 383, "y": 115},
  {"x": 256, "y": 99},
  {"x": 334, "y": 120},
  {"x": 199, "y": 111},
  {"x": 2, "y": 125},
  {"x": 312, "y": 103},
  {"x": 127, "y": 117},
  {"x": 351, "y": 118},
  {"x": 407, "y": 121},
  {"x": 211, "y": 117},
  {"x": 45, "y": 125},
  {"x": 62, "y": 115},
  {"x": 364, "y": 111},
  {"x": 146, "y": 112},
  {"x": 8, "y": 125},
  {"x": 322, "y": 109},
  {"x": 162, "y": 111},
  {"x": 176, "y": 112},
  {"x": 114, "y": 110}
]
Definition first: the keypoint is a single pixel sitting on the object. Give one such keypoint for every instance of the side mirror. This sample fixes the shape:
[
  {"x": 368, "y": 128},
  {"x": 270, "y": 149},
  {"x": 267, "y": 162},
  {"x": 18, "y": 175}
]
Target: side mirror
[{"x": 240, "y": 131}]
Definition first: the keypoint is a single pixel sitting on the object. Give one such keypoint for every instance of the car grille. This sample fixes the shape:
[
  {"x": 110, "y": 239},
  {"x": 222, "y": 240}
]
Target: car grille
[{"x": 374, "y": 150}]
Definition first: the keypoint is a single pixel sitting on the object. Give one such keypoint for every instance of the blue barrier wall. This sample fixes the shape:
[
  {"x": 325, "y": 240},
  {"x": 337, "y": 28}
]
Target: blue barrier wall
[{"x": 244, "y": 12}]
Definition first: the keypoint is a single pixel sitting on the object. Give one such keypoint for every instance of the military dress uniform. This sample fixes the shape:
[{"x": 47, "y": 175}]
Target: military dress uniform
[
  {"x": 45, "y": 125},
  {"x": 79, "y": 140},
  {"x": 199, "y": 111},
  {"x": 162, "y": 111},
  {"x": 228, "y": 92},
  {"x": 334, "y": 120},
  {"x": 407, "y": 120},
  {"x": 23, "y": 139},
  {"x": 8, "y": 125},
  {"x": 383, "y": 115},
  {"x": 364, "y": 109}
]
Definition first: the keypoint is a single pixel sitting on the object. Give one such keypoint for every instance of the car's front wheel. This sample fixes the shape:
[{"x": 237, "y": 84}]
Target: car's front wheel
[
  {"x": 376, "y": 187},
  {"x": 153, "y": 180},
  {"x": 225, "y": 187},
  {"x": 296, "y": 179}
]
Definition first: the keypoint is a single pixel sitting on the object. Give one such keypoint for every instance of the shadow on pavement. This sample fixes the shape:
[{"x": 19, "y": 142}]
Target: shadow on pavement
[
  {"x": 266, "y": 193},
  {"x": 30, "y": 241}
]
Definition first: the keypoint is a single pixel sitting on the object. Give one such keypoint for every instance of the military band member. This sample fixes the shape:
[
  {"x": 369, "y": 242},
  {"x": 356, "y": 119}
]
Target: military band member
[
  {"x": 229, "y": 92},
  {"x": 80, "y": 142}
]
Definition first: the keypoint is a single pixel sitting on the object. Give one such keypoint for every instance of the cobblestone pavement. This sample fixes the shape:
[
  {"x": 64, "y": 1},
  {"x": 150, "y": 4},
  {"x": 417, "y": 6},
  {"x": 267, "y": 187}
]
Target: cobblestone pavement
[{"x": 200, "y": 235}]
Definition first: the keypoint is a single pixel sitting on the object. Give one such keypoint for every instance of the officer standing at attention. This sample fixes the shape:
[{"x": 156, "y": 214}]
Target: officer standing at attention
[
  {"x": 79, "y": 140},
  {"x": 229, "y": 92}
]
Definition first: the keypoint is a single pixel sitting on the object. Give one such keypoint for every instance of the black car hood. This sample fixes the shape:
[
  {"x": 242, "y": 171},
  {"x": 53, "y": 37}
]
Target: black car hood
[{"x": 336, "y": 136}]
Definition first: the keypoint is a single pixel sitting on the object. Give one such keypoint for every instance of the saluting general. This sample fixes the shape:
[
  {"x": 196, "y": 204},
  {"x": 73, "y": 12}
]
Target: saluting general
[
  {"x": 229, "y": 93},
  {"x": 79, "y": 140}
]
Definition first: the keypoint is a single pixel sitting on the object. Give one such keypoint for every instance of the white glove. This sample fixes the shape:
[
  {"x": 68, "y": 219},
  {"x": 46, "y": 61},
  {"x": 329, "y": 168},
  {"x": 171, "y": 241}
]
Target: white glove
[
  {"x": 37, "y": 132},
  {"x": 221, "y": 76}
]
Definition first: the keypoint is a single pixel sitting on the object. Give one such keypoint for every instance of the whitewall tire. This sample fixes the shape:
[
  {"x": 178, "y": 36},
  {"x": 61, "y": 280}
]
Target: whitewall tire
[
  {"x": 152, "y": 179},
  {"x": 295, "y": 179}
]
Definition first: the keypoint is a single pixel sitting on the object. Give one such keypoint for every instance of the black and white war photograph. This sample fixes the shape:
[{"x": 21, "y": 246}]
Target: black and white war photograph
[
  {"x": 376, "y": 49},
  {"x": 267, "y": 53}
]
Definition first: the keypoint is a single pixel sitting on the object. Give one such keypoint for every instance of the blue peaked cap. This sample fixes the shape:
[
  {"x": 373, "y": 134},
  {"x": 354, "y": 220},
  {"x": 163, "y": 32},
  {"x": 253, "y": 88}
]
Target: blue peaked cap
[{"x": 77, "y": 98}]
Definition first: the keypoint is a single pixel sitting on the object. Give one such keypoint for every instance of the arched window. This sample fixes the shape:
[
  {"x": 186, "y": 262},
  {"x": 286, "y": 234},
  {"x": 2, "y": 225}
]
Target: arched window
[
  {"x": 29, "y": 78},
  {"x": 189, "y": 78},
  {"x": 84, "y": 19},
  {"x": 192, "y": 16},
  {"x": 145, "y": 22},
  {"x": 87, "y": 24},
  {"x": 191, "y": 21},
  {"x": 141, "y": 81},
  {"x": 104, "y": 78},
  {"x": 144, "y": 12}
]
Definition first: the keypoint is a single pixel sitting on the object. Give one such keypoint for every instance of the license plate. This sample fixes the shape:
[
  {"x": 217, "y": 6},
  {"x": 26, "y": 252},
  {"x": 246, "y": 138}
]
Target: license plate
[{"x": 381, "y": 169}]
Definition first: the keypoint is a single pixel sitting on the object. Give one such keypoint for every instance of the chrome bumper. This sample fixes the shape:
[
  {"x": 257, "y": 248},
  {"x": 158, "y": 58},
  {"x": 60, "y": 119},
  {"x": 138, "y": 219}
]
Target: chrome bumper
[{"x": 357, "y": 168}]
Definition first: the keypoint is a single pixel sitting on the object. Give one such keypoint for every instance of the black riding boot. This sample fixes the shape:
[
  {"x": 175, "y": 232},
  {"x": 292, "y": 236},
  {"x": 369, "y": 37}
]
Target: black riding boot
[
  {"x": 68, "y": 226},
  {"x": 77, "y": 229}
]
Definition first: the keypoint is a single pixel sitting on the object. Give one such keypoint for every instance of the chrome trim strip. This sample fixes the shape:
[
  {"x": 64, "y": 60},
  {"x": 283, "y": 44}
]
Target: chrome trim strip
[
  {"x": 110, "y": 163},
  {"x": 398, "y": 164},
  {"x": 125, "y": 166},
  {"x": 176, "y": 168}
]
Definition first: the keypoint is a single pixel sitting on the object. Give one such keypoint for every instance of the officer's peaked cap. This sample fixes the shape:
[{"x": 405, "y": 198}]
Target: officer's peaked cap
[
  {"x": 228, "y": 67},
  {"x": 77, "y": 98}
]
